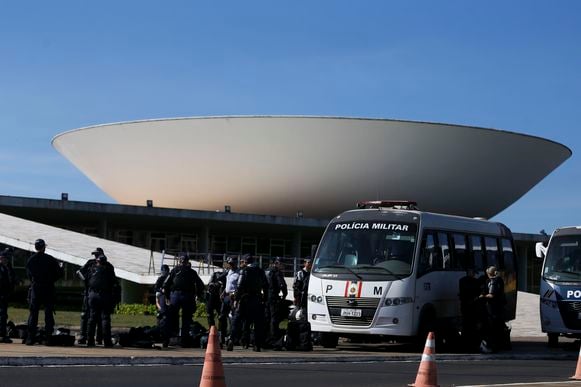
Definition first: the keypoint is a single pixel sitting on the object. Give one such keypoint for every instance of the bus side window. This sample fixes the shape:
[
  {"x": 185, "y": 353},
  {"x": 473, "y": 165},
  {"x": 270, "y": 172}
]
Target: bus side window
[
  {"x": 444, "y": 250},
  {"x": 477, "y": 252},
  {"x": 429, "y": 257},
  {"x": 508, "y": 256},
  {"x": 491, "y": 246},
  {"x": 461, "y": 256}
]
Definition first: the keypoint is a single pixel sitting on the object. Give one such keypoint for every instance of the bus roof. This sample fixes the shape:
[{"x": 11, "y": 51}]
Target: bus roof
[
  {"x": 428, "y": 220},
  {"x": 568, "y": 230}
]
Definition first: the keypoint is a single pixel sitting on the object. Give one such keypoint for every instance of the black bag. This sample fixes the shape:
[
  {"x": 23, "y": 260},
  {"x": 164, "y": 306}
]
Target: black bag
[
  {"x": 298, "y": 336},
  {"x": 136, "y": 337},
  {"x": 63, "y": 340}
]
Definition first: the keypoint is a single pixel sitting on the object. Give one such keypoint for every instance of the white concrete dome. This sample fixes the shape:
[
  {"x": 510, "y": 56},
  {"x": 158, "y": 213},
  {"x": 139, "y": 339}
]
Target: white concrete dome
[{"x": 318, "y": 165}]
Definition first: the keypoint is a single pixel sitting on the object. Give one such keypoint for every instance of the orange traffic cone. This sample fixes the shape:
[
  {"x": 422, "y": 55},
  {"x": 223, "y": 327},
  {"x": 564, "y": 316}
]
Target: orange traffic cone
[
  {"x": 213, "y": 371},
  {"x": 577, "y": 375},
  {"x": 427, "y": 375}
]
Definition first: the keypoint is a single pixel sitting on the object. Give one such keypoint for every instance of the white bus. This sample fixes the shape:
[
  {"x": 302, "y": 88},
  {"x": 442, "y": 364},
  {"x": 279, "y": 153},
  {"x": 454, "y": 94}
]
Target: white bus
[
  {"x": 390, "y": 270},
  {"x": 560, "y": 287}
]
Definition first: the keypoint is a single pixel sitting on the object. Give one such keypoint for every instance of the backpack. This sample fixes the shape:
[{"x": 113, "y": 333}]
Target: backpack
[{"x": 298, "y": 336}]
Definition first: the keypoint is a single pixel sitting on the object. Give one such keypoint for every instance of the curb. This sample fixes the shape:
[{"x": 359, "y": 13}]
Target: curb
[{"x": 63, "y": 361}]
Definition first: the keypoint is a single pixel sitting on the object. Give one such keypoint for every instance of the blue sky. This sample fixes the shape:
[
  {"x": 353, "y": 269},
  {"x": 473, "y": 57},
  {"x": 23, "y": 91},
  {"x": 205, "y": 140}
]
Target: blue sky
[{"x": 512, "y": 65}]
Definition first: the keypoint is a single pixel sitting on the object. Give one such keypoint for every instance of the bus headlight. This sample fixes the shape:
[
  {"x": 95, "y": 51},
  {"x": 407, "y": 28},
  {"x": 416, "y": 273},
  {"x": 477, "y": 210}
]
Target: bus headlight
[
  {"x": 398, "y": 301},
  {"x": 315, "y": 298}
]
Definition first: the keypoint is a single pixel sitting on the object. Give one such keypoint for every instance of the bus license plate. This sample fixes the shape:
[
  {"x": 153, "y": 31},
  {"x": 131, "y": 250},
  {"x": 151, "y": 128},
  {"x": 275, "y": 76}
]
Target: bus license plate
[{"x": 350, "y": 312}]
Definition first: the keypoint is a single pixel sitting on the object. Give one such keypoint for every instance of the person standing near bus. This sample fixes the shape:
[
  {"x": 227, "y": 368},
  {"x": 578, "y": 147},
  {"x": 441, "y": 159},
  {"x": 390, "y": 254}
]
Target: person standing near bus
[
  {"x": 495, "y": 301},
  {"x": 7, "y": 283},
  {"x": 43, "y": 270},
  {"x": 471, "y": 309},
  {"x": 301, "y": 286}
]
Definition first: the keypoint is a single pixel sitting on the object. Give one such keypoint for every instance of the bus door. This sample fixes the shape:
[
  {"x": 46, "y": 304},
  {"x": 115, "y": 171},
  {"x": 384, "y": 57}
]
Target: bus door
[{"x": 437, "y": 282}]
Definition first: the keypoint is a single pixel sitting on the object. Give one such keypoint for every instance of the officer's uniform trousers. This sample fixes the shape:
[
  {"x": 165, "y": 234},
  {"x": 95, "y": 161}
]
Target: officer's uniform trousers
[
  {"x": 39, "y": 295},
  {"x": 101, "y": 307}
]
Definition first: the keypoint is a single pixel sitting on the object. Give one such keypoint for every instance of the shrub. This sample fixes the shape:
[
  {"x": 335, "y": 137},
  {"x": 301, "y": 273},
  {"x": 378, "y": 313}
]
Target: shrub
[{"x": 135, "y": 309}]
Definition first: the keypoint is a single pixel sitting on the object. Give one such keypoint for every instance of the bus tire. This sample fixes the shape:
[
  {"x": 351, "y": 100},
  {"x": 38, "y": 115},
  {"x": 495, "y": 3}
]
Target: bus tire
[
  {"x": 329, "y": 340},
  {"x": 553, "y": 340}
]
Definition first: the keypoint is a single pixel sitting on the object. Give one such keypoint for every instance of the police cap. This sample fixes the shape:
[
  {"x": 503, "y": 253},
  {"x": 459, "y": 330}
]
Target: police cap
[{"x": 98, "y": 251}]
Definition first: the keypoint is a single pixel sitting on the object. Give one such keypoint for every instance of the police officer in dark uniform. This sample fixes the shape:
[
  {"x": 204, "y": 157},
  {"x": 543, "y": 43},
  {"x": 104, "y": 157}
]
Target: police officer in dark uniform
[
  {"x": 301, "y": 285},
  {"x": 214, "y": 296},
  {"x": 43, "y": 270},
  {"x": 7, "y": 282},
  {"x": 101, "y": 283},
  {"x": 495, "y": 302},
  {"x": 160, "y": 298},
  {"x": 251, "y": 295},
  {"x": 276, "y": 286},
  {"x": 83, "y": 274},
  {"x": 183, "y": 285}
]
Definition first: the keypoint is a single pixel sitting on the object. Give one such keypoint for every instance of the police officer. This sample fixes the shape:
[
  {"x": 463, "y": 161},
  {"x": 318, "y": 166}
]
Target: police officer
[
  {"x": 101, "y": 283},
  {"x": 43, "y": 270},
  {"x": 495, "y": 302},
  {"x": 276, "y": 286},
  {"x": 232, "y": 275},
  {"x": 83, "y": 274},
  {"x": 214, "y": 295},
  {"x": 251, "y": 295},
  {"x": 183, "y": 284},
  {"x": 160, "y": 298},
  {"x": 301, "y": 285},
  {"x": 7, "y": 282}
]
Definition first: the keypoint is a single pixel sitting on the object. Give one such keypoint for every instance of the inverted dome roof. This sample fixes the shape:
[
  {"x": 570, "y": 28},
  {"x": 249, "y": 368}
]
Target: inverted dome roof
[{"x": 318, "y": 165}]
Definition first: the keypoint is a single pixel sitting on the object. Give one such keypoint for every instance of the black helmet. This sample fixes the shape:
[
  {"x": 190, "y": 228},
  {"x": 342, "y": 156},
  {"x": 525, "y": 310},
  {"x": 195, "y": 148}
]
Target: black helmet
[{"x": 39, "y": 244}]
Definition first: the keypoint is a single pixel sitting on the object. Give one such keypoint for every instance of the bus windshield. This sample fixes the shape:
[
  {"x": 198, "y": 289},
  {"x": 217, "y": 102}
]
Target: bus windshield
[
  {"x": 563, "y": 261},
  {"x": 375, "y": 247}
]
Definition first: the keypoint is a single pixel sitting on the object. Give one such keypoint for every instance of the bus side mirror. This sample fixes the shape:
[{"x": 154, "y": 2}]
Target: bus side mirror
[{"x": 540, "y": 250}]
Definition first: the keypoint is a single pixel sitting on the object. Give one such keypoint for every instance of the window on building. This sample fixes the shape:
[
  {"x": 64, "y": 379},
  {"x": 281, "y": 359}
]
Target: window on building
[
  {"x": 189, "y": 243},
  {"x": 124, "y": 236},
  {"x": 249, "y": 245},
  {"x": 218, "y": 244},
  {"x": 157, "y": 241}
]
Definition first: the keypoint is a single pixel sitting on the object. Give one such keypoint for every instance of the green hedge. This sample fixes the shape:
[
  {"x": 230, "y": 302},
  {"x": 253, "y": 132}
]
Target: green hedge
[{"x": 147, "y": 310}]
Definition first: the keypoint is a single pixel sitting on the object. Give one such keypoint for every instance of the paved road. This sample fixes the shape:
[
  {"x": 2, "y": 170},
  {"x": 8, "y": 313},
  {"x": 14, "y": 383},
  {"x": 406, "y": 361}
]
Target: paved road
[{"x": 378, "y": 374}]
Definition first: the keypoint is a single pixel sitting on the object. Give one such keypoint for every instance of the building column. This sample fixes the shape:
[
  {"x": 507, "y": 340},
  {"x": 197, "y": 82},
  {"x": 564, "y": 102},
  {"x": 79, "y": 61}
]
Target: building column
[{"x": 204, "y": 240}]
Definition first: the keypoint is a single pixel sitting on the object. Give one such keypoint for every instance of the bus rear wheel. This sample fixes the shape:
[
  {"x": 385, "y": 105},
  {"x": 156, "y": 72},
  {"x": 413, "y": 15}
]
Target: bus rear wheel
[
  {"x": 329, "y": 340},
  {"x": 553, "y": 341}
]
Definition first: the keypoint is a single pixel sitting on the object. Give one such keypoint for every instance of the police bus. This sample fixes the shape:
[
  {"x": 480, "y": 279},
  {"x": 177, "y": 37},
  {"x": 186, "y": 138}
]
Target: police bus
[
  {"x": 389, "y": 270},
  {"x": 560, "y": 287}
]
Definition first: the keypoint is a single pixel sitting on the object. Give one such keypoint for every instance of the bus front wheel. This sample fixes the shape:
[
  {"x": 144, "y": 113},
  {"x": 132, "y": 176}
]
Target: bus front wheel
[
  {"x": 553, "y": 339},
  {"x": 329, "y": 340}
]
